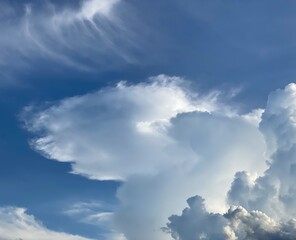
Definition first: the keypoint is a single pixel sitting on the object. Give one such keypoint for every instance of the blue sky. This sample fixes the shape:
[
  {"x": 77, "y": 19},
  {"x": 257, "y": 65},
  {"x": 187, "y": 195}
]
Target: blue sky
[{"x": 110, "y": 111}]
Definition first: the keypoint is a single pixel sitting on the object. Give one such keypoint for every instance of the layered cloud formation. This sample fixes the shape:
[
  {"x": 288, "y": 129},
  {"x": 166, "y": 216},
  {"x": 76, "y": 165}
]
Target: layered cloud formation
[{"x": 15, "y": 223}]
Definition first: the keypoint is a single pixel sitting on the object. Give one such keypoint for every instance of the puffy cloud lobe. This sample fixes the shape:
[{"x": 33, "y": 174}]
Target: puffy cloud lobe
[
  {"x": 157, "y": 137},
  {"x": 273, "y": 193},
  {"x": 15, "y": 223},
  {"x": 237, "y": 224},
  {"x": 257, "y": 225},
  {"x": 196, "y": 223},
  {"x": 279, "y": 118}
]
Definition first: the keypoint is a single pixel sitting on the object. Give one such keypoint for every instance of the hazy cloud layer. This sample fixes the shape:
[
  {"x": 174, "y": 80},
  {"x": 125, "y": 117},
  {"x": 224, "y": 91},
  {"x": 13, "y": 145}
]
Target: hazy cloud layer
[{"x": 15, "y": 223}]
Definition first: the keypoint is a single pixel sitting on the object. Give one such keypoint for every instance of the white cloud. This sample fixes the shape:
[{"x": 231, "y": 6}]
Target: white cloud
[
  {"x": 165, "y": 141},
  {"x": 15, "y": 223}
]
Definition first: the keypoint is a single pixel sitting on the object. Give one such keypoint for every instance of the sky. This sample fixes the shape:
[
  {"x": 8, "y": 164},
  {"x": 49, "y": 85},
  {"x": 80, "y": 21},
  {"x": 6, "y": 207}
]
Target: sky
[{"x": 147, "y": 120}]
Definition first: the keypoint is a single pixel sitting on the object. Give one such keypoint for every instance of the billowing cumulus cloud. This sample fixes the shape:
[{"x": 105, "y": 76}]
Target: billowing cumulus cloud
[
  {"x": 15, "y": 223},
  {"x": 257, "y": 225},
  {"x": 273, "y": 192},
  {"x": 165, "y": 141},
  {"x": 237, "y": 223},
  {"x": 196, "y": 223}
]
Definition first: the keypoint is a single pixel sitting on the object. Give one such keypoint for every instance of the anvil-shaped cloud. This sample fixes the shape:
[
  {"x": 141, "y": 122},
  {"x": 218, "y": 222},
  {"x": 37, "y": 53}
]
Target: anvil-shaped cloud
[{"x": 165, "y": 142}]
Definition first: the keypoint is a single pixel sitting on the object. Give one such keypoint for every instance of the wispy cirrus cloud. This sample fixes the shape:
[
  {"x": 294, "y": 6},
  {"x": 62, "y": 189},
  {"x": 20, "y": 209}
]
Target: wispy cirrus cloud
[{"x": 89, "y": 35}]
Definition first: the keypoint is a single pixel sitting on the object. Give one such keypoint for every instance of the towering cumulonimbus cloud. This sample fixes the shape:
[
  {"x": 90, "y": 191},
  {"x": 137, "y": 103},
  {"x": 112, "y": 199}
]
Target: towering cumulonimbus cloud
[
  {"x": 163, "y": 140},
  {"x": 266, "y": 204},
  {"x": 166, "y": 143}
]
